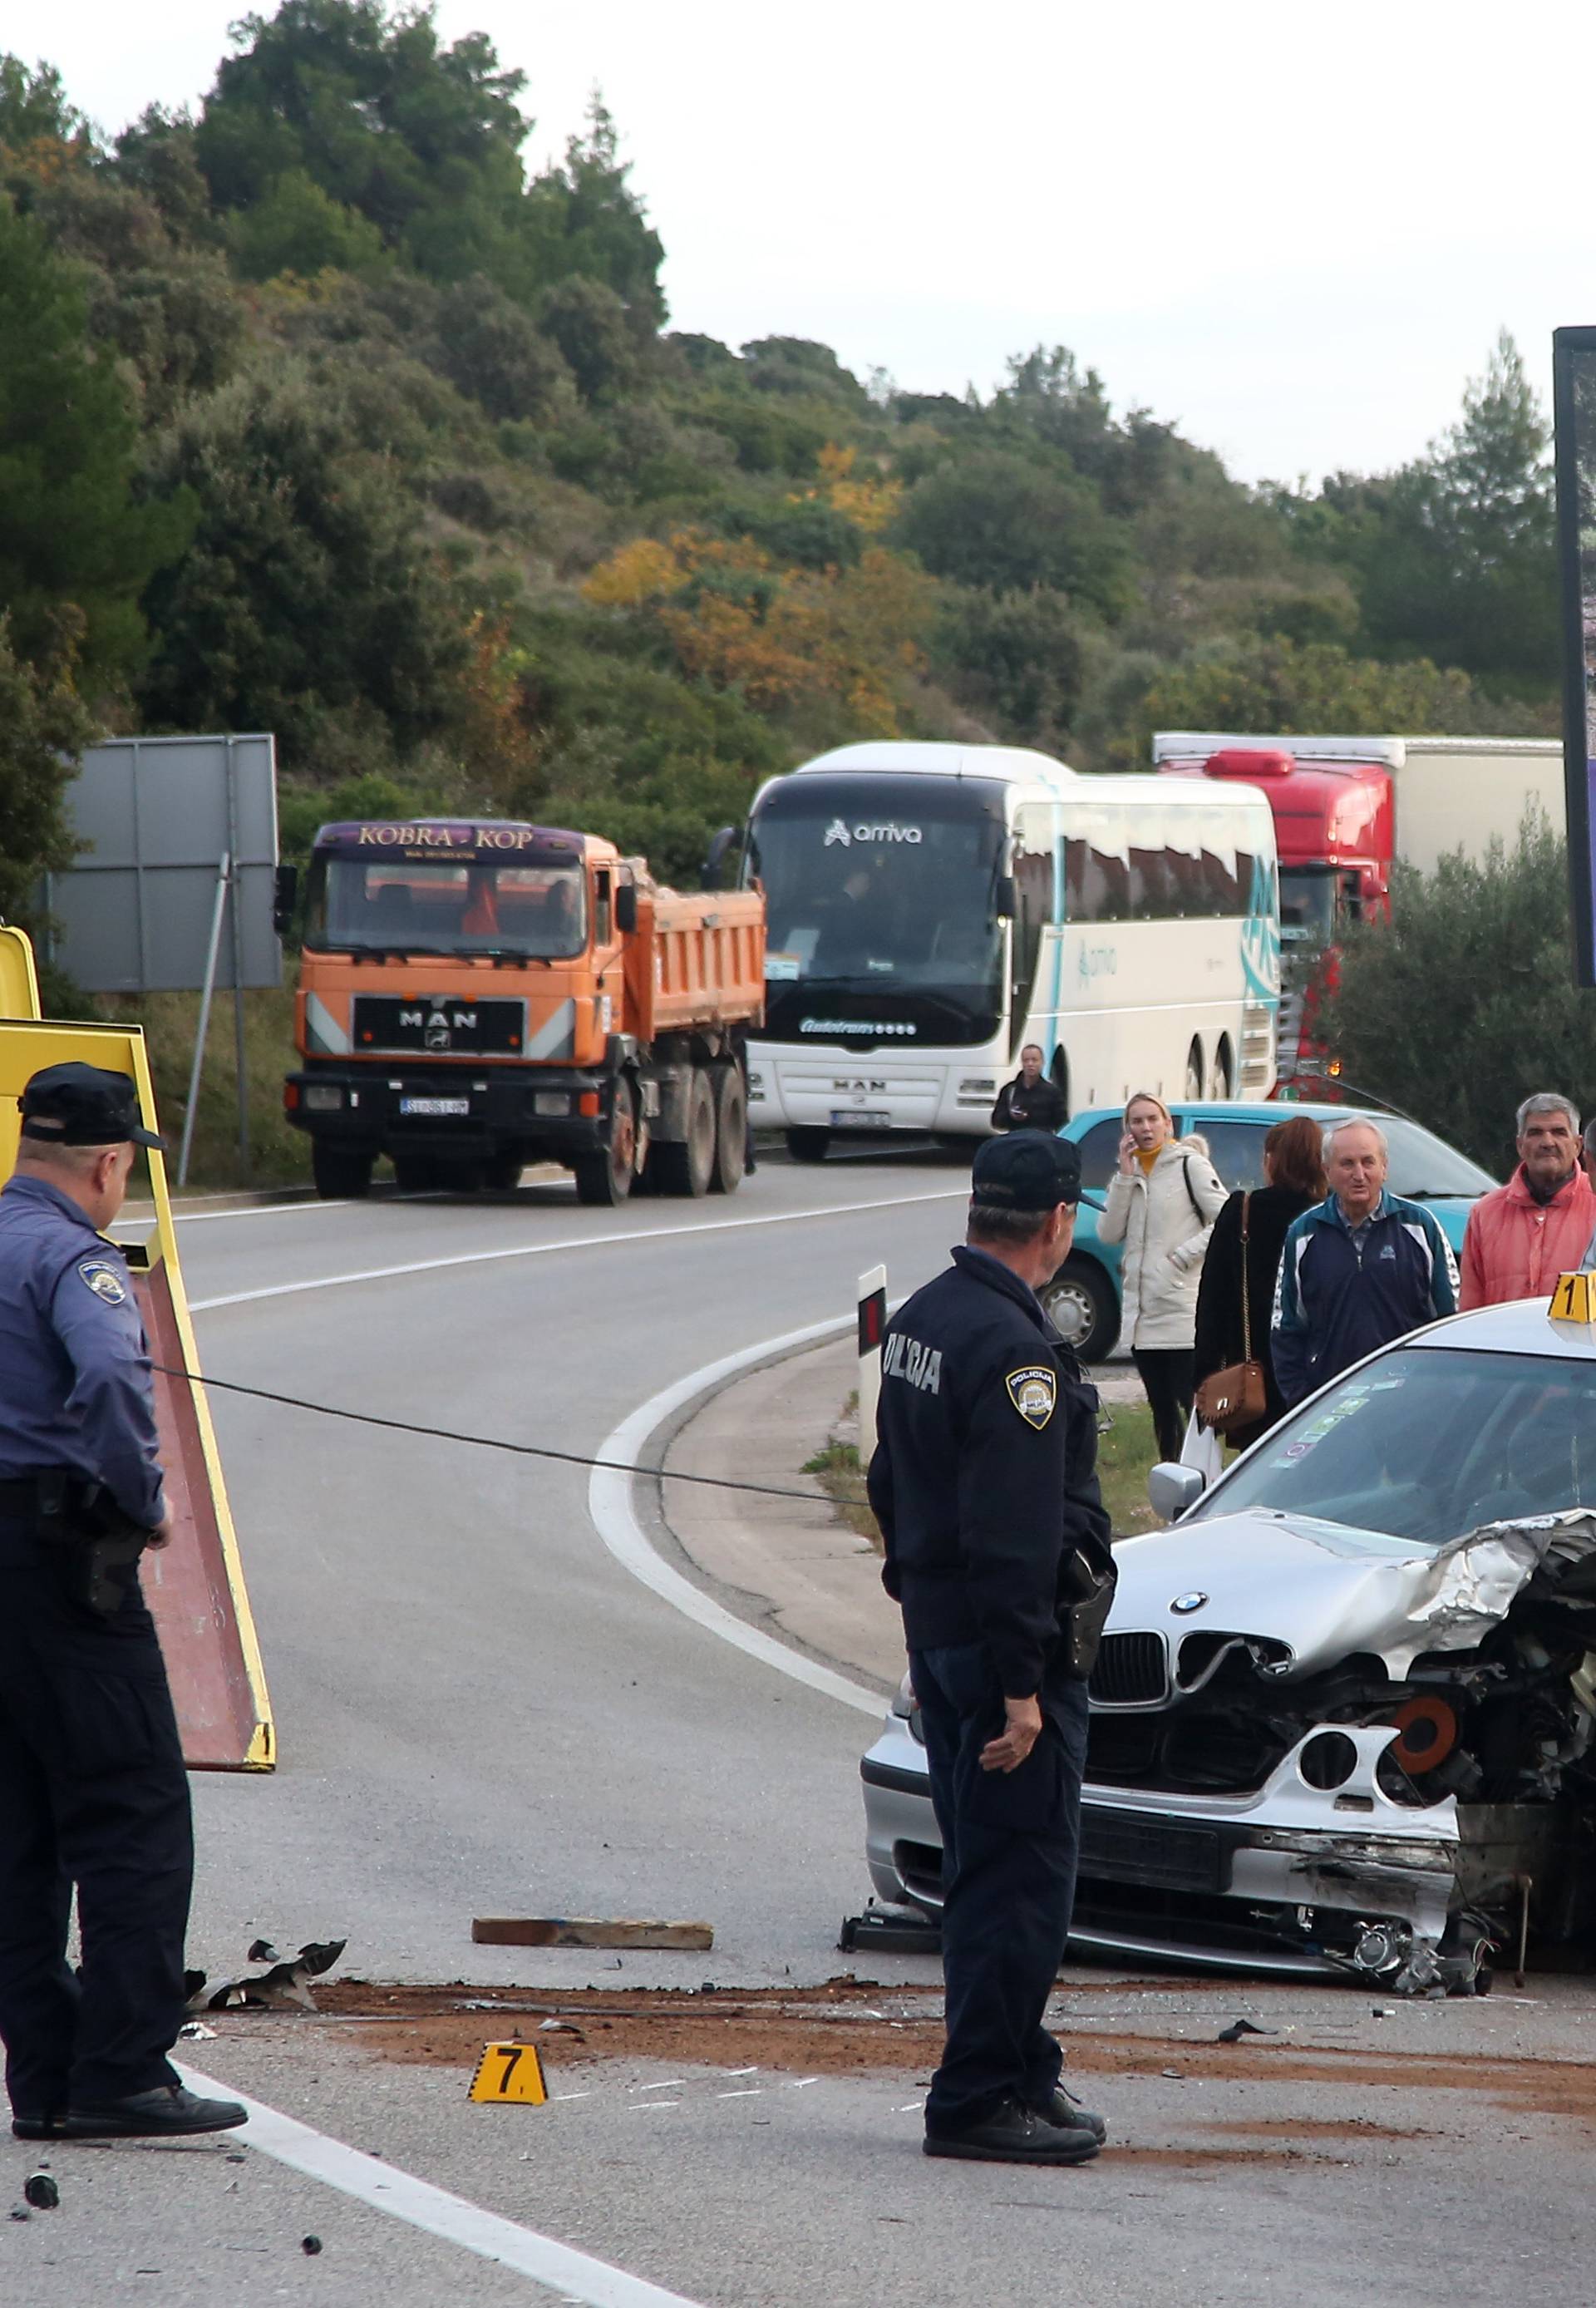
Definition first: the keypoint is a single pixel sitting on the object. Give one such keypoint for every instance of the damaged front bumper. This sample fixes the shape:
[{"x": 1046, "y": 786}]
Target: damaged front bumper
[{"x": 1294, "y": 1878}]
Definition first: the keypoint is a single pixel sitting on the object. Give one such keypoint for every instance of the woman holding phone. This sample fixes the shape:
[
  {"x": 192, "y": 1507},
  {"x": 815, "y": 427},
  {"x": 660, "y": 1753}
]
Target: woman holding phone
[{"x": 1162, "y": 1204}]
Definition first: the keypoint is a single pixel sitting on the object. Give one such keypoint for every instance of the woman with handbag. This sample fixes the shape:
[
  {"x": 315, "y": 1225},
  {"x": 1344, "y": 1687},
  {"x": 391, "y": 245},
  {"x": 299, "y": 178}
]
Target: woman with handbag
[
  {"x": 1236, "y": 1393},
  {"x": 1160, "y": 1204}
]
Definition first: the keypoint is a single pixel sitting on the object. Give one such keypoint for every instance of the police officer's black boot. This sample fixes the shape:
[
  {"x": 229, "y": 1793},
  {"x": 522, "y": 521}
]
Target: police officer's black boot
[
  {"x": 1065, "y": 2109},
  {"x": 1013, "y": 2134}
]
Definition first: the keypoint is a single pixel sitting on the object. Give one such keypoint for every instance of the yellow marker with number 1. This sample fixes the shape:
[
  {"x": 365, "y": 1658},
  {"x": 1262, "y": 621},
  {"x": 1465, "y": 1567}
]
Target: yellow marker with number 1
[
  {"x": 509, "y": 2073},
  {"x": 1573, "y": 1300}
]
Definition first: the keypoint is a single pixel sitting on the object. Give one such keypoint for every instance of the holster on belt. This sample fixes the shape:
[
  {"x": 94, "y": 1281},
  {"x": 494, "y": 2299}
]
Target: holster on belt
[
  {"x": 99, "y": 1545},
  {"x": 1089, "y": 1594}
]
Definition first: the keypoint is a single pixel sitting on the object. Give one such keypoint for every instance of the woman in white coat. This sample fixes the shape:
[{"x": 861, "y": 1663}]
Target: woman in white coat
[{"x": 1161, "y": 1205}]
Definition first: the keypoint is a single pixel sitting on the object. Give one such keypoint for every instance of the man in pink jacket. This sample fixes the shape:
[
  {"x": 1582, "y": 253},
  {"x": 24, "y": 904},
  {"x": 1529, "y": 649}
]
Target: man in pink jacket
[{"x": 1522, "y": 1236}]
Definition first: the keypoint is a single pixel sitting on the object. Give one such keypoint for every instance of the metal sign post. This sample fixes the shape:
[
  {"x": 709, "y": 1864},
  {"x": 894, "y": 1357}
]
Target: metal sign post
[{"x": 224, "y": 882}]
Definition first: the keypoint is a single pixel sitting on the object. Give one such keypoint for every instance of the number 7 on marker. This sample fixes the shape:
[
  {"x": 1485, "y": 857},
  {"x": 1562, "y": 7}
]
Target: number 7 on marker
[{"x": 512, "y": 2060}]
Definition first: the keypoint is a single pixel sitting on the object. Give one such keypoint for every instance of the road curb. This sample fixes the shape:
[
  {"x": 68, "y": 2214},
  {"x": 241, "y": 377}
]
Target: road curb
[{"x": 646, "y": 1545}]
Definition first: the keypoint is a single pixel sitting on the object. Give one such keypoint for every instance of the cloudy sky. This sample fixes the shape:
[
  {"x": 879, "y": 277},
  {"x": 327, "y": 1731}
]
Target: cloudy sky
[{"x": 1296, "y": 232}]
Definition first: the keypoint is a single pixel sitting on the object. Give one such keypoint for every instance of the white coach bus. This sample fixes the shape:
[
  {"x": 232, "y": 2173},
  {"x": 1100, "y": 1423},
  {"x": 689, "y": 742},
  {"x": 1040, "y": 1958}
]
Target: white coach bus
[{"x": 934, "y": 908}]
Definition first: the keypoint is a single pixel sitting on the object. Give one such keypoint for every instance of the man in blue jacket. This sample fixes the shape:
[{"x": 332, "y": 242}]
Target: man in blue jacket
[{"x": 1358, "y": 1269}]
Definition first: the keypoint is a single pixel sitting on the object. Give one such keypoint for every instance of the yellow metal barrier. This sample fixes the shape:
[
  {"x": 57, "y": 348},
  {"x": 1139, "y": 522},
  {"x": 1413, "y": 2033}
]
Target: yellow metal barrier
[{"x": 195, "y": 1587}]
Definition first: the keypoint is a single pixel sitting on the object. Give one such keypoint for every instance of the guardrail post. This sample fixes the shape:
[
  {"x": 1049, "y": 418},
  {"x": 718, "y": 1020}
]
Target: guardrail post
[{"x": 872, "y": 1329}]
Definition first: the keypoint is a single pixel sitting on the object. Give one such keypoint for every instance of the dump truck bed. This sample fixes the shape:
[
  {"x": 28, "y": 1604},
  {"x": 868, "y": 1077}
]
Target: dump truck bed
[{"x": 695, "y": 960}]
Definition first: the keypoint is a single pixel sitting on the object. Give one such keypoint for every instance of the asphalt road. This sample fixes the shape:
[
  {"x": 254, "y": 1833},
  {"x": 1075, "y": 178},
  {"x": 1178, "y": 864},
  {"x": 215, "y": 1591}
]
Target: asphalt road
[{"x": 481, "y": 1712}]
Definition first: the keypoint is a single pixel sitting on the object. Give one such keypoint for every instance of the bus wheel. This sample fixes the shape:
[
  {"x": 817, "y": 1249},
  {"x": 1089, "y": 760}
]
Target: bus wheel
[
  {"x": 1194, "y": 1070},
  {"x": 341, "y": 1173},
  {"x": 1082, "y": 1308},
  {"x": 1225, "y": 1084},
  {"x": 684, "y": 1165},
  {"x": 731, "y": 1131},
  {"x": 809, "y": 1145}
]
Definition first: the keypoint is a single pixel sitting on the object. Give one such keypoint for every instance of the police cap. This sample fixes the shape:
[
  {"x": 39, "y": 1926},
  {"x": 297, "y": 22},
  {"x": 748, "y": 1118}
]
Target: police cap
[
  {"x": 1028, "y": 1170},
  {"x": 75, "y": 1105}
]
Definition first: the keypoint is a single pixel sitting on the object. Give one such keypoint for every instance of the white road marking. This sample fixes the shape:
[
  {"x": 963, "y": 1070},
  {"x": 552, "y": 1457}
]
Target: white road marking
[
  {"x": 614, "y": 1516},
  {"x": 615, "y": 1240},
  {"x": 671, "y": 2083},
  {"x": 559, "y": 2267}
]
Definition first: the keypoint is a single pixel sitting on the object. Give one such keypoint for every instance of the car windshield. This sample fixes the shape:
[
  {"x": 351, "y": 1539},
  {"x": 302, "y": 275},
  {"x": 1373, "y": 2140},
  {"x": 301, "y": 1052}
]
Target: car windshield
[
  {"x": 443, "y": 906},
  {"x": 1428, "y": 1442},
  {"x": 1423, "y": 1166},
  {"x": 1307, "y": 906}
]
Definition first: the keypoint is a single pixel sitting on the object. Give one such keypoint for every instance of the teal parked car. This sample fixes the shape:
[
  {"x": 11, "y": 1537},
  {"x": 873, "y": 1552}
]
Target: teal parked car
[{"x": 1083, "y": 1297}]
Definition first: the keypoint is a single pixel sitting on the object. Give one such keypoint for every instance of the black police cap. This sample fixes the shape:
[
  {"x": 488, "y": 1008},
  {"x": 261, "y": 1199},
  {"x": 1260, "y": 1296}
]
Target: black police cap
[
  {"x": 75, "y": 1105},
  {"x": 1028, "y": 1170}
]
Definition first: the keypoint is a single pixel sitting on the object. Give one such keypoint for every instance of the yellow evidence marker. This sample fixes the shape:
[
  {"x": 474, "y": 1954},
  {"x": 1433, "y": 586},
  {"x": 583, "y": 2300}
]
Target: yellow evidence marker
[
  {"x": 509, "y": 2073},
  {"x": 1574, "y": 1300}
]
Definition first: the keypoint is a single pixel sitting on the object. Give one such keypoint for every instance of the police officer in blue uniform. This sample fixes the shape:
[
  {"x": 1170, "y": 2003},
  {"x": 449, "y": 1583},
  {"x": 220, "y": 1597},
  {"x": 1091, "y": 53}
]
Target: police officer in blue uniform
[
  {"x": 93, "y": 1792},
  {"x": 983, "y": 1482}
]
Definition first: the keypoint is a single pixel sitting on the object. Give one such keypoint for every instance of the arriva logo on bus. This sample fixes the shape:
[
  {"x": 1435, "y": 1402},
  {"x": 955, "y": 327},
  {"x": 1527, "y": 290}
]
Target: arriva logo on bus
[{"x": 839, "y": 831}]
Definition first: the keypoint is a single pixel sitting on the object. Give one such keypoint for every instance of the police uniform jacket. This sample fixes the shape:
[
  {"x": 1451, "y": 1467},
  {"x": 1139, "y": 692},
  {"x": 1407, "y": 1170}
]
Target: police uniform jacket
[
  {"x": 984, "y": 1478},
  {"x": 74, "y": 1371}
]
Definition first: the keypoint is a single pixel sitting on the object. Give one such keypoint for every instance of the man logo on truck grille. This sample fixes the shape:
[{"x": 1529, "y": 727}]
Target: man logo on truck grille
[{"x": 1034, "y": 1392}]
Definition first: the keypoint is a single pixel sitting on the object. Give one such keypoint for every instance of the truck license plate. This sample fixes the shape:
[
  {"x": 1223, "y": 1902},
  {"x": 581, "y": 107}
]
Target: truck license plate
[
  {"x": 841, "y": 1121},
  {"x": 432, "y": 1105}
]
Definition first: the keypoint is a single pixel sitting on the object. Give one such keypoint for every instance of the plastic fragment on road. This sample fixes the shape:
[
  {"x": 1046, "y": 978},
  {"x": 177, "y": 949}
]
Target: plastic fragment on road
[
  {"x": 286, "y": 1981},
  {"x": 510, "y": 2075},
  {"x": 587, "y": 1932},
  {"x": 311, "y": 2245},
  {"x": 41, "y": 2191},
  {"x": 1240, "y": 2028}
]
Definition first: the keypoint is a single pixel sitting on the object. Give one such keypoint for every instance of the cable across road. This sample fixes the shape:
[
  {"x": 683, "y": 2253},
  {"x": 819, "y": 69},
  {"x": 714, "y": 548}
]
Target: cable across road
[{"x": 479, "y": 1442}]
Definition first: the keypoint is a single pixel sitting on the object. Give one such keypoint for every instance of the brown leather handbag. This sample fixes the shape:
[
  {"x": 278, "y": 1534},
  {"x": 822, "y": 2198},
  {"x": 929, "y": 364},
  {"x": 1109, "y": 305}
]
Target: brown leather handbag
[{"x": 1236, "y": 1396}]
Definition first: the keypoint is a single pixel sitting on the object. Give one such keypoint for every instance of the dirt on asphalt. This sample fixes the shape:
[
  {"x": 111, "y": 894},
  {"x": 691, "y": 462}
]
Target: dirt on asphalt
[{"x": 845, "y": 2028}]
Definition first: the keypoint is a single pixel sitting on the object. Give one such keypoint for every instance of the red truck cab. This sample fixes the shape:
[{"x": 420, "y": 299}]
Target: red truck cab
[{"x": 1334, "y": 828}]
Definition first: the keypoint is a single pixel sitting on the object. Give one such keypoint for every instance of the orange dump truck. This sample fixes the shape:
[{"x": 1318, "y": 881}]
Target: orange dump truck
[{"x": 475, "y": 995}]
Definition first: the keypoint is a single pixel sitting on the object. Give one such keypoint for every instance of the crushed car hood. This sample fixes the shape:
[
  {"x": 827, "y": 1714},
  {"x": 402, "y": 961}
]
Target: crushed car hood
[{"x": 1327, "y": 1592}]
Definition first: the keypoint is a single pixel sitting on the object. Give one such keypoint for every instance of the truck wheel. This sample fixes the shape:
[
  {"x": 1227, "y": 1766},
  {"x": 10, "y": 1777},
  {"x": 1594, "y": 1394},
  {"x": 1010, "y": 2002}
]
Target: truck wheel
[
  {"x": 603, "y": 1179},
  {"x": 502, "y": 1173},
  {"x": 341, "y": 1173},
  {"x": 731, "y": 1131},
  {"x": 415, "y": 1173},
  {"x": 809, "y": 1145},
  {"x": 685, "y": 1165},
  {"x": 1082, "y": 1308}
]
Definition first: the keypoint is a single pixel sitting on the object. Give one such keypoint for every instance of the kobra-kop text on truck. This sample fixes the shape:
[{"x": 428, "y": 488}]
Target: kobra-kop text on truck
[{"x": 475, "y": 995}]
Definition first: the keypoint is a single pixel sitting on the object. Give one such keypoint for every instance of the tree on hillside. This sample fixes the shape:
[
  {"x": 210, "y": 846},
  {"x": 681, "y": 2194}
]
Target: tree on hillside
[
  {"x": 44, "y": 728},
  {"x": 1012, "y": 523},
  {"x": 42, "y": 135},
  {"x": 1484, "y": 948},
  {"x": 1454, "y": 554},
  {"x": 1262, "y": 685},
  {"x": 583, "y": 218},
  {"x": 74, "y": 535},
  {"x": 308, "y": 593}
]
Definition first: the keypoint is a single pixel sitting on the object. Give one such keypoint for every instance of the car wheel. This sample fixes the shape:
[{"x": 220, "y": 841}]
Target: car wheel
[
  {"x": 1194, "y": 1070},
  {"x": 1224, "y": 1073},
  {"x": 683, "y": 1166},
  {"x": 731, "y": 1131},
  {"x": 1083, "y": 1308},
  {"x": 603, "y": 1178}
]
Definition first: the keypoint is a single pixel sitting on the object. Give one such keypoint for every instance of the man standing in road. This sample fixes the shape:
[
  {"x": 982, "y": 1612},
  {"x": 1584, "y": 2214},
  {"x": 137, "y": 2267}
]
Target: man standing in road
[
  {"x": 1522, "y": 1236},
  {"x": 1030, "y": 1101},
  {"x": 983, "y": 1482},
  {"x": 1359, "y": 1269},
  {"x": 92, "y": 1786}
]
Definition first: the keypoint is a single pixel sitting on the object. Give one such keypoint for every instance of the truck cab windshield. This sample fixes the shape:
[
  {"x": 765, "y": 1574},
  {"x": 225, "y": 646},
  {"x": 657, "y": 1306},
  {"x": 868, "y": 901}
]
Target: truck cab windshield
[
  {"x": 388, "y": 905},
  {"x": 1307, "y": 896}
]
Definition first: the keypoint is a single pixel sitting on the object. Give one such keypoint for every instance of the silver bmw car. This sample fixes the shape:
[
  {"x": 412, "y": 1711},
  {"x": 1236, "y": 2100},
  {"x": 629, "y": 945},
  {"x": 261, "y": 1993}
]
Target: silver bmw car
[{"x": 1344, "y": 1720}]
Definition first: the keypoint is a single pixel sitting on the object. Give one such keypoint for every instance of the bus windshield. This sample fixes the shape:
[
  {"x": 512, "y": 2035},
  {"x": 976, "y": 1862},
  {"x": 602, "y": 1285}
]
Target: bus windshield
[
  {"x": 883, "y": 900},
  {"x": 409, "y": 905}
]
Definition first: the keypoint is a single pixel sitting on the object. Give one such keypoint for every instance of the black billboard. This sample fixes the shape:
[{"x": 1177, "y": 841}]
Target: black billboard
[{"x": 1574, "y": 405}]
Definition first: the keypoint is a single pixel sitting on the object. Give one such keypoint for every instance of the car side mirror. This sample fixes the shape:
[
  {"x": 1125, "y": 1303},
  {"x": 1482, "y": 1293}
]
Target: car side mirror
[
  {"x": 626, "y": 908},
  {"x": 1172, "y": 1488},
  {"x": 285, "y": 897}
]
